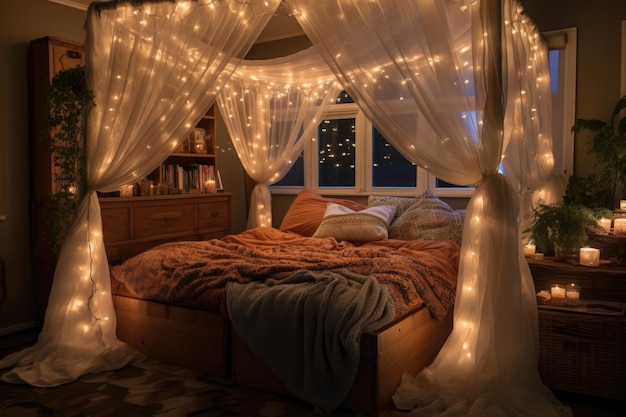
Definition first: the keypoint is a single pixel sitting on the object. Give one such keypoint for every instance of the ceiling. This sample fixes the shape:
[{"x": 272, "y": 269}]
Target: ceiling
[{"x": 282, "y": 25}]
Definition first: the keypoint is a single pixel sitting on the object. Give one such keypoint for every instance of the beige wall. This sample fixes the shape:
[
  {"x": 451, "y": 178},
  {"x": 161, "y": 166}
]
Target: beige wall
[
  {"x": 598, "y": 87},
  {"x": 20, "y": 22}
]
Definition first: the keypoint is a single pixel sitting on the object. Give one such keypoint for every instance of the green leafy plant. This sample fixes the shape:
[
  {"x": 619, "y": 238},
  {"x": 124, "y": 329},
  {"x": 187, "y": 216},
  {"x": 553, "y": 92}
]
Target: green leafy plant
[
  {"x": 608, "y": 145},
  {"x": 68, "y": 101},
  {"x": 563, "y": 225}
]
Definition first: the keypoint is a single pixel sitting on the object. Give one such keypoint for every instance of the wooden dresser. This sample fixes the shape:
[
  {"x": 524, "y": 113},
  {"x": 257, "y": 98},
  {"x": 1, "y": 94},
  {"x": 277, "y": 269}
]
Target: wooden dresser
[
  {"x": 132, "y": 225},
  {"x": 581, "y": 352}
]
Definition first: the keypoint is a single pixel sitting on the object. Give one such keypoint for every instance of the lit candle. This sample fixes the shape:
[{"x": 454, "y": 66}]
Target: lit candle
[
  {"x": 558, "y": 294},
  {"x": 572, "y": 295},
  {"x": 619, "y": 227},
  {"x": 589, "y": 256},
  {"x": 622, "y": 204},
  {"x": 605, "y": 224},
  {"x": 211, "y": 186},
  {"x": 529, "y": 250},
  {"x": 126, "y": 191}
]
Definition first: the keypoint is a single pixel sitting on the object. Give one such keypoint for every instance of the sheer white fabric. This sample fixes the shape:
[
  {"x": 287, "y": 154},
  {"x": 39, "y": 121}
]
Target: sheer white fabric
[
  {"x": 271, "y": 108},
  {"x": 155, "y": 68},
  {"x": 430, "y": 66},
  {"x": 434, "y": 78}
]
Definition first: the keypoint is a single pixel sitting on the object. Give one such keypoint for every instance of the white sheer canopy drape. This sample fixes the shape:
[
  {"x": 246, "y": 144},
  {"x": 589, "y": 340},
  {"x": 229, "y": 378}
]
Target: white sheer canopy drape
[
  {"x": 432, "y": 75},
  {"x": 271, "y": 108},
  {"x": 447, "y": 84},
  {"x": 154, "y": 67}
]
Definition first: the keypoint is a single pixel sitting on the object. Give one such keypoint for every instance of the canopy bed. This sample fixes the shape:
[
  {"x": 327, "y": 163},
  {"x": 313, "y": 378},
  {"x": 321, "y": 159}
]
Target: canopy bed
[{"x": 456, "y": 86}]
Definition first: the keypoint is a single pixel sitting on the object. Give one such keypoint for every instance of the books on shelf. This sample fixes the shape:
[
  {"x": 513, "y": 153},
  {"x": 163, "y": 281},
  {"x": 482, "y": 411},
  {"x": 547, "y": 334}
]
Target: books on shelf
[{"x": 189, "y": 177}]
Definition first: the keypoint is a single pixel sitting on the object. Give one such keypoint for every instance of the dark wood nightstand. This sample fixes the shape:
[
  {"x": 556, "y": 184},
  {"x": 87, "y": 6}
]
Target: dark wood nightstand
[{"x": 583, "y": 352}]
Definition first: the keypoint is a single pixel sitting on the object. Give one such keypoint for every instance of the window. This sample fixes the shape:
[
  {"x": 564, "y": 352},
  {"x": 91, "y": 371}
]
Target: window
[
  {"x": 562, "y": 48},
  {"x": 351, "y": 156},
  {"x": 336, "y": 153}
]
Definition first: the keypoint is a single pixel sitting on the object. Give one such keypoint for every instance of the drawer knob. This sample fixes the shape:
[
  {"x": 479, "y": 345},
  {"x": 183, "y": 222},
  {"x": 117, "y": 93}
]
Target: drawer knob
[{"x": 214, "y": 214}]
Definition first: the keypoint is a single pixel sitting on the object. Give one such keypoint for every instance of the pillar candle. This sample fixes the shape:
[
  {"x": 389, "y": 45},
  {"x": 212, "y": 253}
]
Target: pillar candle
[
  {"x": 605, "y": 224},
  {"x": 619, "y": 227},
  {"x": 622, "y": 204},
  {"x": 529, "y": 250},
  {"x": 558, "y": 294},
  {"x": 589, "y": 256}
]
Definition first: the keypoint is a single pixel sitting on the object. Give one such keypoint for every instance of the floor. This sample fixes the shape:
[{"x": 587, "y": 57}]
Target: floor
[{"x": 582, "y": 406}]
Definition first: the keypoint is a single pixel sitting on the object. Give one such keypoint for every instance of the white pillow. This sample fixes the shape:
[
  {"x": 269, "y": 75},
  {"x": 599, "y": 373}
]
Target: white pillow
[{"x": 365, "y": 225}]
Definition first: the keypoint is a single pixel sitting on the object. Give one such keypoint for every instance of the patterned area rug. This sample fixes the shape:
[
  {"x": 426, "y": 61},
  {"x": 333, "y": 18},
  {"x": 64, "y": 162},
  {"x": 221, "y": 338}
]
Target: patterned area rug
[{"x": 148, "y": 388}]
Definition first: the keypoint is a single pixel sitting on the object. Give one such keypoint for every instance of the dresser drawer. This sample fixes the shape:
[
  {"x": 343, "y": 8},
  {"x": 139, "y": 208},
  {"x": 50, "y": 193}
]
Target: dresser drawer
[
  {"x": 163, "y": 219},
  {"x": 116, "y": 223},
  {"x": 214, "y": 215},
  {"x": 583, "y": 353}
]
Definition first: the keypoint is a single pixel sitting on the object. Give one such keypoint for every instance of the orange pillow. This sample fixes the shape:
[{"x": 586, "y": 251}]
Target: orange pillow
[{"x": 307, "y": 212}]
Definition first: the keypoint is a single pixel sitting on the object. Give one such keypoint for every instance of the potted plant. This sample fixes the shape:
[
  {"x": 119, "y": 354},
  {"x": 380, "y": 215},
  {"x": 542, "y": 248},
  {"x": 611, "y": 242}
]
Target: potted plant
[
  {"x": 608, "y": 145},
  {"x": 68, "y": 100},
  {"x": 561, "y": 229}
]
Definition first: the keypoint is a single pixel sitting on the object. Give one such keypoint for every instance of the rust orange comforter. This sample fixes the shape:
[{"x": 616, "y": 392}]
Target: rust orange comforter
[{"x": 195, "y": 273}]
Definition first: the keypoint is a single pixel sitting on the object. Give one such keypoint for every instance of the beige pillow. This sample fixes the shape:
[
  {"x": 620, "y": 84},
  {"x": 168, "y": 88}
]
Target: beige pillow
[
  {"x": 428, "y": 218},
  {"x": 366, "y": 225}
]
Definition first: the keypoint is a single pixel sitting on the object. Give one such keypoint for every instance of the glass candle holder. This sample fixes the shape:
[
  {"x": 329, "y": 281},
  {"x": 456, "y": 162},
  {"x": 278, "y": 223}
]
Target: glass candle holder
[
  {"x": 529, "y": 250},
  {"x": 589, "y": 256},
  {"x": 572, "y": 295},
  {"x": 127, "y": 190}
]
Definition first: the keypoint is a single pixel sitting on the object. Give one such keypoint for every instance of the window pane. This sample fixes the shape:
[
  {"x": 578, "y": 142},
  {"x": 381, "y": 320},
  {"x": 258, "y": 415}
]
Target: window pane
[
  {"x": 439, "y": 183},
  {"x": 390, "y": 168},
  {"x": 554, "y": 55},
  {"x": 336, "y": 157},
  {"x": 295, "y": 176}
]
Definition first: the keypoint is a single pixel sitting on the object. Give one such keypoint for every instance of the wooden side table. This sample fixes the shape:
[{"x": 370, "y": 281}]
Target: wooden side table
[{"x": 583, "y": 352}]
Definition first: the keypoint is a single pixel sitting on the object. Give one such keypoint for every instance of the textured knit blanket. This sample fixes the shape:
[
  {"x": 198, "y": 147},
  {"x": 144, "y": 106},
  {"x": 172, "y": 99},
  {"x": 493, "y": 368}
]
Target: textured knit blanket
[
  {"x": 416, "y": 272},
  {"x": 307, "y": 327}
]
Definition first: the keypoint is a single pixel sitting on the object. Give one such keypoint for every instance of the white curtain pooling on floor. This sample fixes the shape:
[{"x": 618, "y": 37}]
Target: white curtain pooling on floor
[
  {"x": 433, "y": 77},
  {"x": 154, "y": 67},
  {"x": 271, "y": 109}
]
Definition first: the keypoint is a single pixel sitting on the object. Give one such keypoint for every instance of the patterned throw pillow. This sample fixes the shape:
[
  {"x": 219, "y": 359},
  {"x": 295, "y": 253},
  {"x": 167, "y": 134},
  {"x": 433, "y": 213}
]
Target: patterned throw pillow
[
  {"x": 366, "y": 225},
  {"x": 400, "y": 203},
  {"x": 428, "y": 218}
]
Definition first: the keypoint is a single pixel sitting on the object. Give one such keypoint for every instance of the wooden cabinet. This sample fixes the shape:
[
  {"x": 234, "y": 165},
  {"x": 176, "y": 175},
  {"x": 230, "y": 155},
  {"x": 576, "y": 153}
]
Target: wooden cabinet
[
  {"x": 581, "y": 352},
  {"x": 132, "y": 225},
  {"x": 47, "y": 56}
]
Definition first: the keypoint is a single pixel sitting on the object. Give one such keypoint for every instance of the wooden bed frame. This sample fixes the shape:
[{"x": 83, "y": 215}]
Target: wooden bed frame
[{"x": 204, "y": 340}]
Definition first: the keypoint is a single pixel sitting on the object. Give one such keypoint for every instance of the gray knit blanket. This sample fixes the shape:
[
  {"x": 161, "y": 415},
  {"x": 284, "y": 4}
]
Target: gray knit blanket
[{"x": 307, "y": 327}]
